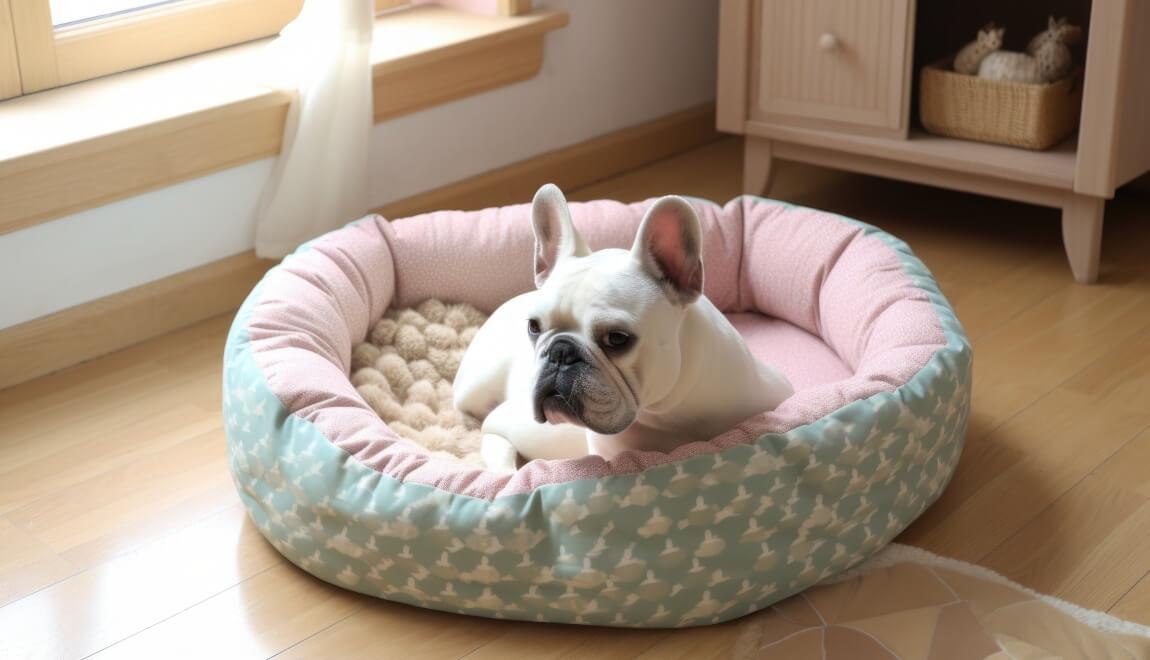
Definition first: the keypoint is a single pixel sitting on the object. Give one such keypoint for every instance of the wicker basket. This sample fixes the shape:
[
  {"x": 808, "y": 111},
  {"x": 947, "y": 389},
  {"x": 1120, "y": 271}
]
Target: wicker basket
[{"x": 1018, "y": 114}]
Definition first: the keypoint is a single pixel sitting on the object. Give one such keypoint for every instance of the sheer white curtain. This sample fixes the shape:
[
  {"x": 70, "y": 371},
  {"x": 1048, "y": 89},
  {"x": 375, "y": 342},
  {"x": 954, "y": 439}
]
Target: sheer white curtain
[{"x": 320, "y": 180}]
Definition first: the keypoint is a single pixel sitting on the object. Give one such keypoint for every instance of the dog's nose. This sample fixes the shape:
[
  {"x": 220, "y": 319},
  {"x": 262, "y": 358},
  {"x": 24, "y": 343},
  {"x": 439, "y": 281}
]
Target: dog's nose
[{"x": 563, "y": 352}]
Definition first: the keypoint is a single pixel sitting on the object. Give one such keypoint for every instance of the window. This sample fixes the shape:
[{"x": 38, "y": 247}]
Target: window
[
  {"x": 70, "y": 12},
  {"x": 56, "y": 42},
  {"x": 48, "y": 43}
]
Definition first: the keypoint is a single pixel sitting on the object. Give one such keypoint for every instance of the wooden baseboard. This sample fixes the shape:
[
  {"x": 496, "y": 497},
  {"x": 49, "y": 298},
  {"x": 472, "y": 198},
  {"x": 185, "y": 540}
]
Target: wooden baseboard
[
  {"x": 570, "y": 167},
  {"x": 95, "y": 328}
]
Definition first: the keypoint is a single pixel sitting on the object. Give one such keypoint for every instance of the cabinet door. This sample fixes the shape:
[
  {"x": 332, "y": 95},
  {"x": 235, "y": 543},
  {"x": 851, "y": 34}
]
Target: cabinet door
[{"x": 844, "y": 63}]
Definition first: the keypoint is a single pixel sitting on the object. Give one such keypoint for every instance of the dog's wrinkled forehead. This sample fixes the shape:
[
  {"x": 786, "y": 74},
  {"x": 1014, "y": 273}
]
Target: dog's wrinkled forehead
[{"x": 598, "y": 288}]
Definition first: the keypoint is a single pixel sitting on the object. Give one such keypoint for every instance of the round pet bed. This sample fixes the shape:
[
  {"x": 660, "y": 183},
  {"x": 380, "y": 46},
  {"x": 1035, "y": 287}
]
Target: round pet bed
[{"x": 710, "y": 532}]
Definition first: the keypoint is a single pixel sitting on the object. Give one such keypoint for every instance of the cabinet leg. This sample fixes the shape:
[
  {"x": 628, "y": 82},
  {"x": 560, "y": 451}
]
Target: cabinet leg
[
  {"x": 1082, "y": 235},
  {"x": 756, "y": 165}
]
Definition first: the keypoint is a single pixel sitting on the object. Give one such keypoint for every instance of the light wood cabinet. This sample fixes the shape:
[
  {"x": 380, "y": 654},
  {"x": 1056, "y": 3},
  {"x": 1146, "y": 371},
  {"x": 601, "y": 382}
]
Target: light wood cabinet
[{"x": 830, "y": 82}]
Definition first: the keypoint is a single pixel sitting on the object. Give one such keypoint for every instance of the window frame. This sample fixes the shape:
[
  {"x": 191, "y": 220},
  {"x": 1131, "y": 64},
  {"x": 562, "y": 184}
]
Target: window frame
[
  {"x": 49, "y": 57},
  {"x": 9, "y": 64},
  {"x": 384, "y": 5},
  {"x": 35, "y": 56}
]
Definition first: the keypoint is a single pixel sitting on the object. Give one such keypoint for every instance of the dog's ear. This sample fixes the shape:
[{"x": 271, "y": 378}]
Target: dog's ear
[
  {"x": 669, "y": 248},
  {"x": 555, "y": 234}
]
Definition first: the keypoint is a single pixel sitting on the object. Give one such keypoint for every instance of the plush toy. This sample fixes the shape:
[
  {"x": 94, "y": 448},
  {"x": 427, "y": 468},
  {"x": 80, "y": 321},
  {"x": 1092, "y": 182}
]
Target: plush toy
[
  {"x": 1050, "y": 48},
  {"x": 1047, "y": 59},
  {"x": 988, "y": 41}
]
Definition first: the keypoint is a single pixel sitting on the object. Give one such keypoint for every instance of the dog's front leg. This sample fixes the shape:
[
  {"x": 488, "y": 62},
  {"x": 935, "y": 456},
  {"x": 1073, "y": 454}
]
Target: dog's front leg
[{"x": 498, "y": 453}]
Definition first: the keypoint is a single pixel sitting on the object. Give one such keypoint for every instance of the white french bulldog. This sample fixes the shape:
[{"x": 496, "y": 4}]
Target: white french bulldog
[{"x": 614, "y": 350}]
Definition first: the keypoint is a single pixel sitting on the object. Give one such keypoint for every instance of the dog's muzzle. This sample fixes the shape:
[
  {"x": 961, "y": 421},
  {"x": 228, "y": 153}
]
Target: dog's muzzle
[{"x": 556, "y": 399}]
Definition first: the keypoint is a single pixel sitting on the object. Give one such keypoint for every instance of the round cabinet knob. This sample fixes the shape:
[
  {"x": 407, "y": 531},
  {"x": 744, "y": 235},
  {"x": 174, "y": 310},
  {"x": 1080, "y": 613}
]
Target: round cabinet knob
[{"x": 828, "y": 41}]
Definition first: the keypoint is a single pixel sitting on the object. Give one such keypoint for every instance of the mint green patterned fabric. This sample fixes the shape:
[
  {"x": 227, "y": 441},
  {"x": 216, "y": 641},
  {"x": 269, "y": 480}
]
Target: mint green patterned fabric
[{"x": 699, "y": 541}]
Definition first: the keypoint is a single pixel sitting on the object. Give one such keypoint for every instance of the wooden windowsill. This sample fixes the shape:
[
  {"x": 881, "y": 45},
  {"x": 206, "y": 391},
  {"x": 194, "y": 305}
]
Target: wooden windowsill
[{"x": 75, "y": 147}]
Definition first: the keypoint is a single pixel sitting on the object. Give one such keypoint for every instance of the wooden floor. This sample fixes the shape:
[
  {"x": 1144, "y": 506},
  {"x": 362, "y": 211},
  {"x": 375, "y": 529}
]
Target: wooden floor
[{"x": 121, "y": 535}]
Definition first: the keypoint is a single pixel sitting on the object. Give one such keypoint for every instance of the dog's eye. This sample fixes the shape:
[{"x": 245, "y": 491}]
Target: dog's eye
[
  {"x": 616, "y": 339},
  {"x": 533, "y": 327}
]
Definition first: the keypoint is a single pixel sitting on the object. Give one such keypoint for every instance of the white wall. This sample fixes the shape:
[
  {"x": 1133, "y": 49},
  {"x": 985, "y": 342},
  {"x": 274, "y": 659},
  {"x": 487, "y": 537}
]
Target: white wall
[{"x": 619, "y": 63}]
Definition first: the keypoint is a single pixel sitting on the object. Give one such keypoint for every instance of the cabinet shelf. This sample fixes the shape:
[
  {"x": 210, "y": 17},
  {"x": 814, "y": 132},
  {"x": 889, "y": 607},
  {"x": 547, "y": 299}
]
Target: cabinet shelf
[{"x": 1053, "y": 168}]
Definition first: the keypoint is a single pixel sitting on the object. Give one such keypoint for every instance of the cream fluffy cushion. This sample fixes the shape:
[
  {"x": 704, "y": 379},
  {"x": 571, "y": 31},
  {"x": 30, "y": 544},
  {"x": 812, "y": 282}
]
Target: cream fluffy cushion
[{"x": 404, "y": 371}]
